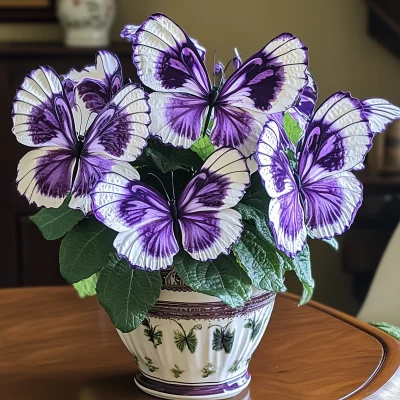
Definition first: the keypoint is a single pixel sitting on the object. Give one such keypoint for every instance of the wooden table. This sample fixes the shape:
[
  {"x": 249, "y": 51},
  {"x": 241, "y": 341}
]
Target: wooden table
[{"x": 55, "y": 346}]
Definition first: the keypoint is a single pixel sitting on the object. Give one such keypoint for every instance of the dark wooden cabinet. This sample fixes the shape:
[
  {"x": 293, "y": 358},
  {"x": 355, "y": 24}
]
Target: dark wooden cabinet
[{"x": 27, "y": 259}]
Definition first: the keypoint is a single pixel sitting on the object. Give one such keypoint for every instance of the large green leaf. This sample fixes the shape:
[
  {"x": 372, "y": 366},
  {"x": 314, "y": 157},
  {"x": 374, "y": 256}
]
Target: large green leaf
[
  {"x": 56, "y": 222},
  {"x": 259, "y": 219},
  {"x": 85, "y": 250},
  {"x": 127, "y": 294},
  {"x": 292, "y": 128},
  {"x": 87, "y": 287},
  {"x": 301, "y": 265},
  {"x": 392, "y": 330},
  {"x": 260, "y": 260},
  {"x": 222, "y": 278},
  {"x": 168, "y": 158}
]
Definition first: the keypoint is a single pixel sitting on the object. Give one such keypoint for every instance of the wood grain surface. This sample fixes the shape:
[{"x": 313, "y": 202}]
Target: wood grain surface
[{"x": 54, "y": 345}]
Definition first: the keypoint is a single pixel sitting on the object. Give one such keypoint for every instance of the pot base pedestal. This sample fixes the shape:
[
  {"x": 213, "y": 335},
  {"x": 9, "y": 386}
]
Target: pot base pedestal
[{"x": 180, "y": 391}]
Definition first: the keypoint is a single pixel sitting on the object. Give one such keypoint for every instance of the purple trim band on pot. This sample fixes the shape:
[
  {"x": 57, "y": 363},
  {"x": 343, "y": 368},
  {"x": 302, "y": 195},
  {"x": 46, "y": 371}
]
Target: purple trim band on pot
[
  {"x": 192, "y": 389},
  {"x": 195, "y": 311}
]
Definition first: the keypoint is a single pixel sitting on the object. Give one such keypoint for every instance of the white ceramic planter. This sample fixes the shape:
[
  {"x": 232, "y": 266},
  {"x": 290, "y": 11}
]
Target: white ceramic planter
[
  {"x": 193, "y": 346},
  {"x": 86, "y": 23}
]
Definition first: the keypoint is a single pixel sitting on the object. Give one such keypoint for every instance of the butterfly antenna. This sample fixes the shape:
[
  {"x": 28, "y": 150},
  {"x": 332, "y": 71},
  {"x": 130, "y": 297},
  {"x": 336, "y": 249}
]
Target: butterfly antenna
[
  {"x": 173, "y": 186},
  {"x": 80, "y": 122},
  {"x": 213, "y": 67},
  {"x": 159, "y": 180}
]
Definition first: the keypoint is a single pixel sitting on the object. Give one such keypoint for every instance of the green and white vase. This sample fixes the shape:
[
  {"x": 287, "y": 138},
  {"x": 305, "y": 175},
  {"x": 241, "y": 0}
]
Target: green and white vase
[{"x": 193, "y": 346}]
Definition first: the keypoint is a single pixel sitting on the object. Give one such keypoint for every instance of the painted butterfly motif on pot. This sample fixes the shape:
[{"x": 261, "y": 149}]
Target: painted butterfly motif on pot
[
  {"x": 313, "y": 190},
  {"x": 75, "y": 144},
  {"x": 147, "y": 221},
  {"x": 172, "y": 65}
]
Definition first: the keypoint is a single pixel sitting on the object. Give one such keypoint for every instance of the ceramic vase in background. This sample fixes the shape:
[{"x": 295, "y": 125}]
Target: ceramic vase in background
[
  {"x": 193, "y": 346},
  {"x": 86, "y": 23}
]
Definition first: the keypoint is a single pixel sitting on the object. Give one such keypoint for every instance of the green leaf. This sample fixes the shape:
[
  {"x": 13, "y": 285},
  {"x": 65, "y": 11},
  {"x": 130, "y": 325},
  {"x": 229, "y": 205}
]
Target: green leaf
[
  {"x": 127, "y": 294},
  {"x": 85, "y": 249},
  {"x": 260, "y": 260},
  {"x": 301, "y": 265},
  {"x": 392, "y": 330},
  {"x": 56, "y": 222},
  {"x": 260, "y": 220},
  {"x": 292, "y": 128},
  {"x": 168, "y": 158},
  {"x": 87, "y": 287},
  {"x": 203, "y": 147},
  {"x": 222, "y": 278}
]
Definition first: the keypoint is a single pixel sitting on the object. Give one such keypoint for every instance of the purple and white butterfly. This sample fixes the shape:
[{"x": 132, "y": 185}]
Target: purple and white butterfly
[
  {"x": 74, "y": 148},
  {"x": 314, "y": 191},
  {"x": 170, "y": 63},
  {"x": 146, "y": 220}
]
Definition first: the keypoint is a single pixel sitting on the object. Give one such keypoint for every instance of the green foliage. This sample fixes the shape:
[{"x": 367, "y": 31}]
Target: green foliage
[
  {"x": 127, "y": 294},
  {"x": 87, "y": 287},
  {"x": 203, "y": 147},
  {"x": 392, "y": 330},
  {"x": 168, "y": 158},
  {"x": 223, "y": 338},
  {"x": 56, "y": 222},
  {"x": 150, "y": 365},
  {"x": 222, "y": 278},
  {"x": 153, "y": 334},
  {"x": 177, "y": 372},
  {"x": 85, "y": 249},
  {"x": 301, "y": 265},
  {"x": 260, "y": 260},
  {"x": 183, "y": 339},
  {"x": 292, "y": 128}
]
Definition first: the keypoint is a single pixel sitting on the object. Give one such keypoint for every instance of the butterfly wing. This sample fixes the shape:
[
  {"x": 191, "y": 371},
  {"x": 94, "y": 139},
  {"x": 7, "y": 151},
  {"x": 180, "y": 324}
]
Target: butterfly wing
[
  {"x": 380, "y": 113},
  {"x": 95, "y": 85},
  {"x": 140, "y": 215},
  {"x": 118, "y": 133},
  {"x": 208, "y": 223},
  {"x": 268, "y": 82},
  {"x": 169, "y": 62},
  {"x": 42, "y": 118},
  {"x": 286, "y": 215}
]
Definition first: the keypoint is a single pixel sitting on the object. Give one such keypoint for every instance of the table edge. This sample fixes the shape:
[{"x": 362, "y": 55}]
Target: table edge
[{"x": 377, "y": 386}]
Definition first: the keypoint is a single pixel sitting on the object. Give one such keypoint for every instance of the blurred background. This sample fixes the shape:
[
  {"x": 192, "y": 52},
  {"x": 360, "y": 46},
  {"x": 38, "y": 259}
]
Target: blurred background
[{"x": 354, "y": 46}]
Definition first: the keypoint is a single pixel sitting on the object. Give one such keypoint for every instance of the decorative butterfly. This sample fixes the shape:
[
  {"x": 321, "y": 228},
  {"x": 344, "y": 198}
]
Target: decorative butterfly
[
  {"x": 170, "y": 63},
  {"x": 203, "y": 212},
  {"x": 223, "y": 338},
  {"x": 75, "y": 145},
  {"x": 312, "y": 189}
]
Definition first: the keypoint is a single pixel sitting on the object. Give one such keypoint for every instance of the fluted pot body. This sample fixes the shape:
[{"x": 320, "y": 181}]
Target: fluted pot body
[
  {"x": 86, "y": 23},
  {"x": 193, "y": 346}
]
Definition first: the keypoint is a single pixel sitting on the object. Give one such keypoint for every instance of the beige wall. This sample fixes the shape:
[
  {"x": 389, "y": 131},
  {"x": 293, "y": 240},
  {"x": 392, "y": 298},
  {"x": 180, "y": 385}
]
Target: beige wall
[{"x": 342, "y": 57}]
